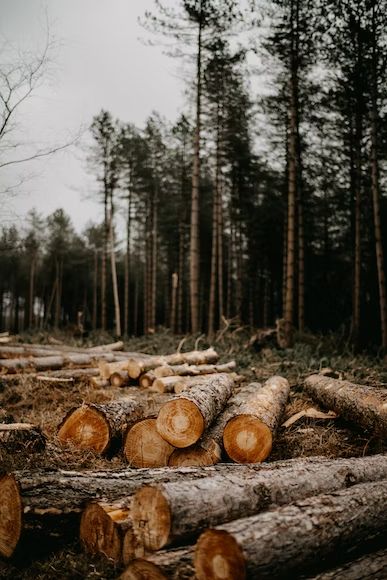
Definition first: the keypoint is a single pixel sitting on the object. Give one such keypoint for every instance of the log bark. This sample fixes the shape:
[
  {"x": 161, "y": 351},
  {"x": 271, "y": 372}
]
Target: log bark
[
  {"x": 17, "y": 437},
  {"x": 285, "y": 541},
  {"x": 166, "y": 565},
  {"x": 183, "y": 420},
  {"x": 195, "y": 370},
  {"x": 44, "y": 363},
  {"x": 95, "y": 427},
  {"x": 144, "y": 447},
  {"x": 119, "y": 379},
  {"x": 364, "y": 406},
  {"x": 248, "y": 436},
  {"x": 369, "y": 567},
  {"x": 176, "y": 512},
  {"x": 137, "y": 366}
]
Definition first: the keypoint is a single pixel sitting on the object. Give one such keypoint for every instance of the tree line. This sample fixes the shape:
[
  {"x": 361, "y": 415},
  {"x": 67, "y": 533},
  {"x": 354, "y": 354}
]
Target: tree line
[{"x": 245, "y": 209}]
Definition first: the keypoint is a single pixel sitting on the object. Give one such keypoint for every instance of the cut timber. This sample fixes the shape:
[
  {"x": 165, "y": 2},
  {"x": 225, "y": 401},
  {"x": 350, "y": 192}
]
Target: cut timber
[
  {"x": 119, "y": 345},
  {"x": 208, "y": 450},
  {"x": 183, "y": 420},
  {"x": 166, "y": 565},
  {"x": 137, "y": 366},
  {"x": 99, "y": 382},
  {"x": 195, "y": 370},
  {"x": 106, "y": 369},
  {"x": 119, "y": 379},
  {"x": 144, "y": 447},
  {"x": 44, "y": 363},
  {"x": 103, "y": 529},
  {"x": 15, "y": 437},
  {"x": 94, "y": 427},
  {"x": 186, "y": 383},
  {"x": 146, "y": 379},
  {"x": 364, "y": 406},
  {"x": 369, "y": 567},
  {"x": 172, "y": 513},
  {"x": 248, "y": 436},
  {"x": 285, "y": 541},
  {"x": 11, "y": 515}
]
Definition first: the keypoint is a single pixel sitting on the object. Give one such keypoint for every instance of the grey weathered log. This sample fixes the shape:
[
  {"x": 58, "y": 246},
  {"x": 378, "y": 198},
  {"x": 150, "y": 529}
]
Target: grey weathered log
[
  {"x": 137, "y": 365},
  {"x": 296, "y": 538},
  {"x": 362, "y": 405},
  {"x": 176, "y": 512},
  {"x": 165, "y": 565},
  {"x": 369, "y": 567}
]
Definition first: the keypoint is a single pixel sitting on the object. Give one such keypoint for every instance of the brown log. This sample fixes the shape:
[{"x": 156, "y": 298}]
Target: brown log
[
  {"x": 44, "y": 363},
  {"x": 76, "y": 374},
  {"x": 364, "y": 406},
  {"x": 99, "y": 382},
  {"x": 144, "y": 447},
  {"x": 166, "y": 565},
  {"x": 16, "y": 437},
  {"x": 248, "y": 436},
  {"x": 183, "y": 420},
  {"x": 195, "y": 370},
  {"x": 119, "y": 379},
  {"x": 137, "y": 366},
  {"x": 174, "y": 513},
  {"x": 369, "y": 567},
  {"x": 95, "y": 427},
  {"x": 208, "y": 450},
  {"x": 11, "y": 515},
  {"x": 285, "y": 541},
  {"x": 146, "y": 380}
]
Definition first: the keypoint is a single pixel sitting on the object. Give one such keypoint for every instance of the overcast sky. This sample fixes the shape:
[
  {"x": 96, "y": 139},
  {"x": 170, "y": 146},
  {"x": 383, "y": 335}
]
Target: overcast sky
[{"x": 100, "y": 63}]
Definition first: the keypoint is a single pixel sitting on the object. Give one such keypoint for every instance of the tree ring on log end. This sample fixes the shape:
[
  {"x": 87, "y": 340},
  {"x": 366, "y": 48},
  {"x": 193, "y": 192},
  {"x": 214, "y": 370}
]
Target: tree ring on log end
[
  {"x": 180, "y": 422},
  {"x": 143, "y": 570},
  {"x": 152, "y": 518},
  {"x": 144, "y": 446},
  {"x": 219, "y": 557},
  {"x": 10, "y": 515},
  {"x": 98, "y": 533},
  {"x": 247, "y": 439},
  {"x": 87, "y": 428}
]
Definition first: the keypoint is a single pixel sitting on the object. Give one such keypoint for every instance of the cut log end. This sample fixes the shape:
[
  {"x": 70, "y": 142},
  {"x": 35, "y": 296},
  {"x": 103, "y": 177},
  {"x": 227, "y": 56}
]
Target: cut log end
[
  {"x": 135, "y": 368},
  {"x": 246, "y": 439},
  {"x": 119, "y": 379},
  {"x": 86, "y": 428},
  {"x": 218, "y": 557},
  {"x": 143, "y": 570},
  {"x": 144, "y": 447},
  {"x": 151, "y": 517},
  {"x": 10, "y": 515},
  {"x": 180, "y": 422},
  {"x": 196, "y": 456},
  {"x": 98, "y": 532}
]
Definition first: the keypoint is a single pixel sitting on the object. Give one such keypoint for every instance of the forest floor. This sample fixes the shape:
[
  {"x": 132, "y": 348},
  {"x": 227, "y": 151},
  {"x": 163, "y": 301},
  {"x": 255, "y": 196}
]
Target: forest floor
[{"x": 29, "y": 401}]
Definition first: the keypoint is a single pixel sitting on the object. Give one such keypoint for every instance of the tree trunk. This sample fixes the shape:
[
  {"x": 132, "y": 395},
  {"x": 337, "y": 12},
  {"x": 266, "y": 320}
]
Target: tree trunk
[
  {"x": 172, "y": 564},
  {"x": 172, "y": 513},
  {"x": 95, "y": 293},
  {"x": 284, "y": 542},
  {"x": 248, "y": 436},
  {"x": 31, "y": 295},
  {"x": 370, "y": 567},
  {"x": 194, "y": 262},
  {"x": 127, "y": 264},
  {"x": 183, "y": 420},
  {"x": 364, "y": 406},
  {"x": 180, "y": 288},
  {"x": 214, "y": 258},
  {"x": 144, "y": 447},
  {"x": 175, "y": 286},
  {"x": 117, "y": 311}
]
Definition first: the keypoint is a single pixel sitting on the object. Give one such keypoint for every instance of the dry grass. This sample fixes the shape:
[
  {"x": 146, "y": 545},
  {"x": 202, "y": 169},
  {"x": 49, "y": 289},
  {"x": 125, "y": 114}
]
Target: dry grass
[{"x": 31, "y": 401}]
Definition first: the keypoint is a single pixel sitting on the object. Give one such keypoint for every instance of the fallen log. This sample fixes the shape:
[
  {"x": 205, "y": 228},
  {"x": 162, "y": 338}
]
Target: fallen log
[
  {"x": 369, "y": 567},
  {"x": 183, "y": 420},
  {"x": 146, "y": 380},
  {"x": 119, "y": 379},
  {"x": 166, "y": 565},
  {"x": 248, "y": 436},
  {"x": 174, "y": 513},
  {"x": 195, "y": 370},
  {"x": 119, "y": 345},
  {"x": 16, "y": 437},
  {"x": 15, "y": 365},
  {"x": 144, "y": 447},
  {"x": 50, "y": 502},
  {"x": 96, "y": 427},
  {"x": 285, "y": 541},
  {"x": 364, "y": 406},
  {"x": 137, "y": 366}
]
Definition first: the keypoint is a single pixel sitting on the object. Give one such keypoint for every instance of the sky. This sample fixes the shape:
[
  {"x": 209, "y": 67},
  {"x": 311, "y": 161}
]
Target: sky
[{"x": 99, "y": 61}]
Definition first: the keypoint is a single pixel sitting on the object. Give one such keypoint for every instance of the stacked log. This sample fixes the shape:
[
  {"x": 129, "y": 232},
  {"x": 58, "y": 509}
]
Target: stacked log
[
  {"x": 175, "y": 564},
  {"x": 143, "y": 446},
  {"x": 16, "y": 437},
  {"x": 362, "y": 405},
  {"x": 285, "y": 541}
]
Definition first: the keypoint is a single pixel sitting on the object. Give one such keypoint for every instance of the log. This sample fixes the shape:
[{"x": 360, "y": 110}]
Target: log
[
  {"x": 195, "y": 370},
  {"x": 52, "y": 500},
  {"x": 137, "y": 366},
  {"x": 144, "y": 447},
  {"x": 96, "y": 427},
  {"x": 166, "y": 565},
  {"x": 285, "y": 541},
  {"x": 183, "y": 420},
  {"x": 146, "y": 380},
  {"x": 43, "y": 363},
  {"x": 17, "y": 437},
  {"x": 119, "y": 379},
  {"x": 77, "y": 374},
  {"x": 186, "y": 383},
  {"x": 119, "y": 345},
  {"x": 364, "y": 406},
  {"x": 208, "y": 450},
  {"x": 369, "y": 567},
  {"x": 174, "y": 513},
  {"x": 248, "y": 436}
]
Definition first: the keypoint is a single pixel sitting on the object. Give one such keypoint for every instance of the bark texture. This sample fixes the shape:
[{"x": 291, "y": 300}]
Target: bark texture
[
  {"x": 176, "y": 512},
  {"x": 16, "y": 437},
  {"x": 362, "y": 405},
  {"x": 183, "y": 420},
  {"x": 165, "y": 565},
  {"x": 285, "y": 541}
]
